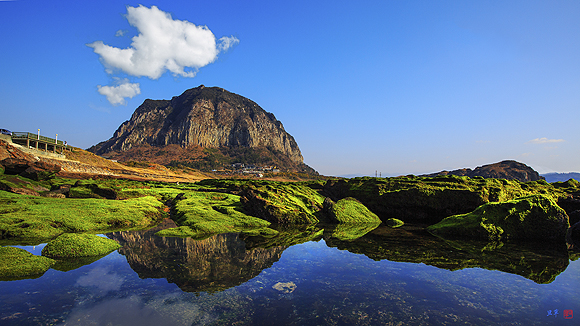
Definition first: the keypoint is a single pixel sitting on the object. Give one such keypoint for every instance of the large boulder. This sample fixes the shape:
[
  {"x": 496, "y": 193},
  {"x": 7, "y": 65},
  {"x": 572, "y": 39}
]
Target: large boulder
[
  {"x": 280, "y": 202},
  {"x": 535, "y": 217},
  {"x": 349, "y": 210}
]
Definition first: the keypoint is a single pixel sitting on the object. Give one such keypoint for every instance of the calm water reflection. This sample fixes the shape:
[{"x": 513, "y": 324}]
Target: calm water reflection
[{"x": 304, "y": 276}]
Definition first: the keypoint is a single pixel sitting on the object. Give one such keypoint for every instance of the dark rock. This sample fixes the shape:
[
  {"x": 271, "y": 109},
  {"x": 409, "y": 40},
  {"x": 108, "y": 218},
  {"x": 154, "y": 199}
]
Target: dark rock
[
  {"x": 30, "y": 169},
  {"x": 41, "y": 171},
  {"x": 574, "y": 217},
  {"x": 15, "y": 166},
  {"x": 328, "y": 208},
  {"x": 570, "y": 204},
  {"x": 573, "y": 235}
]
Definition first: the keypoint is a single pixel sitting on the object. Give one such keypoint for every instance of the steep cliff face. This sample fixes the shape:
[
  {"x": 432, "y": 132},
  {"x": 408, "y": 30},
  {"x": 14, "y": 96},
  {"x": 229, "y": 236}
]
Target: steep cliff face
[
  {"x": 510, "y": 170},
  {"x": 208, "y": 117}
]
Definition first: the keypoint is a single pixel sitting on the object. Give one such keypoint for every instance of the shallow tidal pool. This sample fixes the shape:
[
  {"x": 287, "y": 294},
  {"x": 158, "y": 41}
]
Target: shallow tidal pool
[{"x": 229, "y": 279}]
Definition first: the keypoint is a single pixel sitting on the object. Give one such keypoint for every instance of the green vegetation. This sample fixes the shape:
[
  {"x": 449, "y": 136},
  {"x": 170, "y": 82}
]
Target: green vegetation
[
  {"x": 201, "y": 214},
  {"x": 428, "y": 200},
  {"x": 350, "y": 210},
  {"x": 352, "y": 231},
  {"x": 72, "y": 245},
  {"x": 287, "y": 235},
  {"x": 16, "y": 263},
  {"x": 249, "y": 206},
  {"x": 282, "y": 202},
  {"x": 534, "y": 217},
  {"x": 28, "y": 217}
]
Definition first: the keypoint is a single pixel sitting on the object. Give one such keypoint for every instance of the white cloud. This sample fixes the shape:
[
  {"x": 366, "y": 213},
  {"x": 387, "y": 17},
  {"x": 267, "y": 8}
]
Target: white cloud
[
  {"x": 116, "y": 94},
  {"x": 162, "y": 44},
  {"x": 227, "y": 42},
  {"x": 544, "y": 140},
  {"x": 120, "y": 33}
]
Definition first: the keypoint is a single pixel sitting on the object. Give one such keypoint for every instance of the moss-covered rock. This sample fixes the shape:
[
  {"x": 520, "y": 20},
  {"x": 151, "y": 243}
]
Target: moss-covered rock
[
  {"x": 79, "y": 245},
  {"x": 25, "y": 217},
  {"x": 18, "y": 263},
  {"x": 201, "y": 214},
  {"x": 536, "y": 218},
  {"x": 350, "y": 210},
  {"x": 282, "y": 202},
  {"x": 429, "y": 200}
]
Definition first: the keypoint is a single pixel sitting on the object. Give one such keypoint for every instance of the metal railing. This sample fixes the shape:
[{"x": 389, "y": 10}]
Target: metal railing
[{"x": 31, "y": 136}]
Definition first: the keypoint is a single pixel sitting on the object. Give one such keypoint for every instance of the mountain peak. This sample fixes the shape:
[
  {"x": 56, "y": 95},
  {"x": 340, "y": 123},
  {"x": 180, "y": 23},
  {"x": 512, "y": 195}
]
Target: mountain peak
[{"x": 206, "y": 117}]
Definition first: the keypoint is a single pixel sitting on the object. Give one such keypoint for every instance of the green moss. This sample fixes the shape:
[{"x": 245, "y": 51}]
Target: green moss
[
  {"x": 287, "y": 235},
  {"x": 428, "y": 200},
  {"x": 18, "y": 263},
  {"x": 263, "y": 232},
  {"x": 79, "y": 245},
  {"x": 350, "y": 210},
  {"x": 352, "y": 231},
  {"x": 394, "y": 223},
  {"x": 24, "y": 217},
  {"x": 82, "y": 192},
  {"x": 534, "y": 217},
  {"x": 283, "y": 202},
  {"x": 204, "y": 213}
]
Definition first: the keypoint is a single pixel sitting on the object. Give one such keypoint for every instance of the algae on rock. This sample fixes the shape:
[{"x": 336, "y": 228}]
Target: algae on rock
[
  {"x": 350, "y": 210},
  {"x": 79, "y": 245},
  {"x": 201, "y": 214},
  {"x": 534, "y": 217},
  {"x": 16, "y": 263},
  {"x": 282, "y": 202}
]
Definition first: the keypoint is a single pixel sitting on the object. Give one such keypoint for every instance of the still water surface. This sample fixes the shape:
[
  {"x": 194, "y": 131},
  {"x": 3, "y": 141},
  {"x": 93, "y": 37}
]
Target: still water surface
[{"x": 303, "y": 277}]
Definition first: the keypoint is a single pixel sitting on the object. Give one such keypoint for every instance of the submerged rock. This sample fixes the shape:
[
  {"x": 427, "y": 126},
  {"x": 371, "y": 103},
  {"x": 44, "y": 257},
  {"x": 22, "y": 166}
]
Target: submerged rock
[{"x": 534, "y": 217}]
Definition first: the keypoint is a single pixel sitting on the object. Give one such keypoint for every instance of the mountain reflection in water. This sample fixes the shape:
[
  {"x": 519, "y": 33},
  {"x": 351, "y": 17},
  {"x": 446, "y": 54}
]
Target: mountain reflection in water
[
  {"x": 213, "y": 264},
  {"x": 227, "y": 260},
  {"x": 307, "y": 275}
]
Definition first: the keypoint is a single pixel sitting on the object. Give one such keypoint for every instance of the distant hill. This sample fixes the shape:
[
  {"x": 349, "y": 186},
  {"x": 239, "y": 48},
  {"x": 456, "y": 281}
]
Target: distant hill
[
  {"x": 204, "y": 128},
  {"x": 510, "y": 170},
  {"x": 555, "y": 177}
]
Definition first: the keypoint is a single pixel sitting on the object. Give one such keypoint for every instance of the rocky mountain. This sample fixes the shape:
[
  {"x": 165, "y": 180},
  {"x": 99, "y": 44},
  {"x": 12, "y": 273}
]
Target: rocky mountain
[
  {"x": 510, "y": 170},
  {"x": 202, "y": 122}
]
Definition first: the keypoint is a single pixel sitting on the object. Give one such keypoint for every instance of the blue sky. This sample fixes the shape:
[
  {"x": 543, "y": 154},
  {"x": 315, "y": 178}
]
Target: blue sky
[{"x": 397, "y": 87}]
